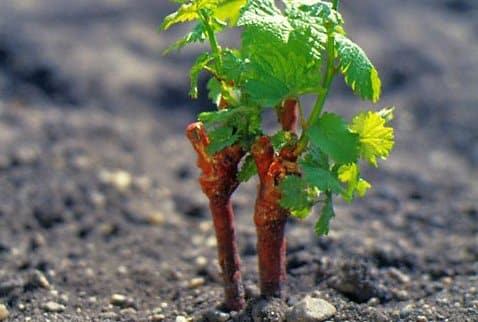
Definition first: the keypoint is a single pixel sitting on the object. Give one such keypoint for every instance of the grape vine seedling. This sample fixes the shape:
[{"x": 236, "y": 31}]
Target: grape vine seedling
[{"x": 289, "y": 48}]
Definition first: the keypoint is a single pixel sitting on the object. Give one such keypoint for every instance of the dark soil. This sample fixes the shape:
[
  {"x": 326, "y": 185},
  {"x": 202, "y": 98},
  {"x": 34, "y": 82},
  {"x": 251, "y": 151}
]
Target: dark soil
[{"x": 98, "y": 184}]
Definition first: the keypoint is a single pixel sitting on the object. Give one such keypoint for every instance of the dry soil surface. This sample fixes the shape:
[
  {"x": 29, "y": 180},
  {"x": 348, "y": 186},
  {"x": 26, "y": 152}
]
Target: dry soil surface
[{"x": 101, "y": 218}]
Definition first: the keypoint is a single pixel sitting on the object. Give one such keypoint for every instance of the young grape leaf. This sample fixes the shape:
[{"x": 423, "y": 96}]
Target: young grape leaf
[
  {"x": 224, "y": 10},
  {"x": 331, "y": 135},
  {"x": 321, "y": 178},
  {"x": 297, "y": 196},
  {"x": 229, "y": 11},
  {"x": 284, "y": 52},
  {"x": 186, "y": 12},
  {"x": 316, "y": 158},
  {"x": 214, "y": 90},
  {"x": 264, "y": 16},
  {"x": 248, "y": 169},
  {"x": 221, "y": 138},
  {"x": 358, "y": 71},
  {"x": 350, "y": 174},
  {"x": 376, "y": 139},
  {"x": 387, "y": 113},
  {"x": 282, "y": 138},
  {"x": 322, "y": 226},
  {"x": 233, "y": 66},
  {"x": 316, "y": 9},
  {"x": 201, "y": 62},
  {"x": 198, "y": 34}
]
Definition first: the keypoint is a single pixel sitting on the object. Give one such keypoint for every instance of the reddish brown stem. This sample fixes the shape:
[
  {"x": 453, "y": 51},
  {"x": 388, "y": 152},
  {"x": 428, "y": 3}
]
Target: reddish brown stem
[
  {"x": 288, "y": 114},
  {"x": 218, "y": 181},
  {"x": 270, "y": 219}
]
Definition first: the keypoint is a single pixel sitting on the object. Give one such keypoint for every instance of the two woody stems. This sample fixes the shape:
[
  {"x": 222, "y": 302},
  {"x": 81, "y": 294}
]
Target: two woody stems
[{"x": 218, "y": 181}]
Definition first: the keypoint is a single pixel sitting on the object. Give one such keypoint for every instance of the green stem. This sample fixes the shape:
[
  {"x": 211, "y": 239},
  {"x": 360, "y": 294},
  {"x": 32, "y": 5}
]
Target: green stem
[
  {"x": 322, "y": 96},
  {"x": 335, "y": 5},
  {"x": 216, "y": 49}
]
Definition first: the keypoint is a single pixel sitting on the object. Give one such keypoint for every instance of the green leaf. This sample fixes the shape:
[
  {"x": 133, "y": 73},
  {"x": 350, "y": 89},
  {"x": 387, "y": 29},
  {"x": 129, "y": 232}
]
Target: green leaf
[
  {"x": 297, "y": 196},
  {"x": 331, "y": 135},
  {"x": 187, "y": 12},
  {"x": 246, "y": 122},
  {"x": 229, "y": 11},
  {"x": 284, "y": 52},
  {"x": 198, "y": 34},
  {"x": 362, "y": 187},
  {"x": 316, "y": 158},
  {"x": 233, "y": 66},
  {"x": 283, "y": 138},
  {"x": 315, "y": 9},
  {"x": 264, "y": 16},
  {"x": 358, "y": 71},
  {"x": 248, "y": 169},
  {"x": 387, "y": 113},
  {"x": 211, "y": 118},
  {"x": 350, "y": 174},
  {"x": 214, "y": 91},
  {"x": 201, "y": 62},
  {"x": 322, "y": 226},
  {"x": 224, "y": 10},
  {"x": 321, "y": 178},
  {"x": 376, "y": 139},
  {"x": 221, "y": 138}
]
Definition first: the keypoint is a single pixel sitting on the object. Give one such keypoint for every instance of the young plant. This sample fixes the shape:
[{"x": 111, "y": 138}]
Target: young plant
[{"x": 289, "y": 48}]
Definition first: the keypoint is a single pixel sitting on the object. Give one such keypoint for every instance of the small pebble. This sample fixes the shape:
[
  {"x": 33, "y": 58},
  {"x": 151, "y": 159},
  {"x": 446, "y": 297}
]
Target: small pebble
[
  {"x": 422, "y": 318},
  {"x": 128, "y": 311},
  {"x": 25, "y": 155},
  {"x": 401, "y": 295},
  {"x": 157, "y": 318},
  {"x": 123, "y": 270},
  {"x": 109, "y": 315},
  {"x": 399, "y": 276},
  {"x": 311, "y": 309},
  {"x": 157, "y": 310},
  {"x": 121, "y": 180},
  {"x": 39, "y": 279},
  {"x": 118, "y": 299},
  {"x": 201, "y": 261},
  {"x": 181, "y": 318},
  {"x": 196, "y": 282},
  {"x": 156, "y": 218},
  {"x": 98, "y": 199},
  {"x": 53, "y": 307},
  {"x": 373, "y": 301},
  {"x": 3, "y": 312},
  {"x": 406, "y": 310},
  {"x": 216, "y": 316},
  {"x": 447, "y": 281}
]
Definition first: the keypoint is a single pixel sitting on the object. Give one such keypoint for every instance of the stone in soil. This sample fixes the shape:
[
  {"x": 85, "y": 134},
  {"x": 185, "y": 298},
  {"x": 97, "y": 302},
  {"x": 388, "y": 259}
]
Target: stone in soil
[
  {"x": 38, "y": 279},
  {"x": 357, "y": 281},
  {"x": 215, "y": 316},
  {"x": 311, "y": 309},
  {"x": 53, "y": 307},
  {"x": 121, "y": 301},
  {"x": 3, "y": 312}
]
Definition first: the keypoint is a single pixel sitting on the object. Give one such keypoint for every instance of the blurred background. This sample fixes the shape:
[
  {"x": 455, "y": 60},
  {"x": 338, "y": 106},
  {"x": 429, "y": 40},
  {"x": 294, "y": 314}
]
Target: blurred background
[{"x": 94, "y": 167}]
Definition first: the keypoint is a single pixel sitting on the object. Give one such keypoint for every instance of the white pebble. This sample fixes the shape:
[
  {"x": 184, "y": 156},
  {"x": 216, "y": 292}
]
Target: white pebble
[{"x": 3, "y": 312}]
